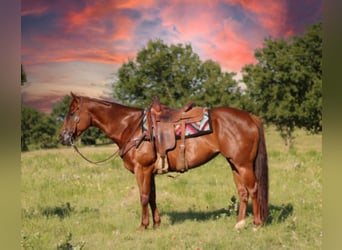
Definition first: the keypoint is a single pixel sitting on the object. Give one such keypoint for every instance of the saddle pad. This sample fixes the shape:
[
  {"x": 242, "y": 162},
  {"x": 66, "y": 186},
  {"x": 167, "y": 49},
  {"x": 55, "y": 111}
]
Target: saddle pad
[{"x": 191, "y": 129}]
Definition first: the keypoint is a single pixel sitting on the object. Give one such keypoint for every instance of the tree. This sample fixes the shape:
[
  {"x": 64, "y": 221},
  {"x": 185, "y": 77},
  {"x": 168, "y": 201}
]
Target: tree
[
  {"x": 215, "y": 87},
  {"x": 37, "y": 130},
  {"x": 176, "y": 74},
  {"x": 310, "y": 45},
  {"x": 285, "y": 86},
  {"x": 59, "y": 110}
]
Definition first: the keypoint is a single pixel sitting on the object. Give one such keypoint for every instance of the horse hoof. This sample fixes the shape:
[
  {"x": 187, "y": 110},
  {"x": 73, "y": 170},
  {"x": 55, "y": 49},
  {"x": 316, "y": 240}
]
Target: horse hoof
[
  {"x": 142, "y": 228},
  {"x": 241, "y": 224},
  {"x": 256, "y": 228}
]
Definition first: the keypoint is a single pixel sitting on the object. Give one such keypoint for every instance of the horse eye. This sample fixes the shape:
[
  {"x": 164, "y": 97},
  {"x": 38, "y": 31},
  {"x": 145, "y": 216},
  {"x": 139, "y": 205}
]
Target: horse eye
[{"x": 71, "y": 114}]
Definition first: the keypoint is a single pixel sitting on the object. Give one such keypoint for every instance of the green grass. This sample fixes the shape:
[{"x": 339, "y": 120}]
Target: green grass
[{"x": 68, "y": 203}]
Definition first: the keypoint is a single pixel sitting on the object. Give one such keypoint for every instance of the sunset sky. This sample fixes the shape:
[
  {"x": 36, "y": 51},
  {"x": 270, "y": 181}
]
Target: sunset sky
[{"x": 70, "y": 45}]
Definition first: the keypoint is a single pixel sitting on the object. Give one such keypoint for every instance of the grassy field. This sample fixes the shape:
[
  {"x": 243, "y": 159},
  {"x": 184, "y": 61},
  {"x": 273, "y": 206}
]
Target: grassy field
[{"x": 68, "y": 203}]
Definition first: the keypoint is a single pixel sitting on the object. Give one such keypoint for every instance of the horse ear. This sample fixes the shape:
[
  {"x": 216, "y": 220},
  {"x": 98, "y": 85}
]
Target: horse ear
[
  {"x": 72, "y": 95},
  {"x": 75, "y": 97}
]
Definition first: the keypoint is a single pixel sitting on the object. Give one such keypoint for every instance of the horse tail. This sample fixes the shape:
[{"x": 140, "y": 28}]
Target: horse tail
[{"x": 261, "y": 170}]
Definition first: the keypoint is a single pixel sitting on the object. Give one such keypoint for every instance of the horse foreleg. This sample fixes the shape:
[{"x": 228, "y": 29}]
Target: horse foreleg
[
  {"x": 153, "y": 204},
  {"x": 143, "y": 178}
]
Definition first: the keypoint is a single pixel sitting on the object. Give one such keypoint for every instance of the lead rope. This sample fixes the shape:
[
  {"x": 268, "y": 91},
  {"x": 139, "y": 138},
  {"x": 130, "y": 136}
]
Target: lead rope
[{"x": 115, "y": 154}]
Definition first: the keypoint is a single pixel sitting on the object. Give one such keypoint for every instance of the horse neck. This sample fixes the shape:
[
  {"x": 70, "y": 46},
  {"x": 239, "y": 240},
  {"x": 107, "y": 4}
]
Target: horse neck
[{"x": 116, "y": 121}]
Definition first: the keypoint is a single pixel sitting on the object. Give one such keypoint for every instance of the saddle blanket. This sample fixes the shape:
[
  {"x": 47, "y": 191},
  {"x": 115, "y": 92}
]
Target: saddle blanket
[{"x": 202, "y": 127}]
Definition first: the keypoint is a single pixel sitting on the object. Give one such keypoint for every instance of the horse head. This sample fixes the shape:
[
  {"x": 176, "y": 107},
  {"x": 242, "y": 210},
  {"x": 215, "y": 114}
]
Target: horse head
[{"x": 76, "y": 121}]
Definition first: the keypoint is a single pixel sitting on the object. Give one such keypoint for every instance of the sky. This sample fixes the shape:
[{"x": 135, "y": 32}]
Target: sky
[{"x": 78, "y": 45}]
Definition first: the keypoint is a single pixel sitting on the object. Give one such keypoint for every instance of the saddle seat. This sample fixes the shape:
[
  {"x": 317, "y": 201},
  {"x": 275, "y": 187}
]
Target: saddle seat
[
  {"x": 163, "y": 120},
  {"x": 170, "y": 115}
]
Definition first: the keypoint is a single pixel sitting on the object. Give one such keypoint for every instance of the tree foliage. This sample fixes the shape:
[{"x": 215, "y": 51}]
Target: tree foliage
[
  {"x": 37, "y": 130},
  {"x": 60, "y": 109},
  {"x": 176, "y": 74},
  {"x": 285, "y": 86}
]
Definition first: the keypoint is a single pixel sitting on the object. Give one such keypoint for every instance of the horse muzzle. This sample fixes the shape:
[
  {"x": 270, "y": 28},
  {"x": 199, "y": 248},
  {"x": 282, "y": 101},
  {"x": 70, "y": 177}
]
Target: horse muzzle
[{"x": 66, "y": 138}]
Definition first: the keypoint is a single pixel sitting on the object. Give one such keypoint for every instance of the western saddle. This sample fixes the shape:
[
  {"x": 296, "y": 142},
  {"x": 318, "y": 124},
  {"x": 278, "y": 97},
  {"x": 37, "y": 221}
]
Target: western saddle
[{"x": 162, "y": 122}]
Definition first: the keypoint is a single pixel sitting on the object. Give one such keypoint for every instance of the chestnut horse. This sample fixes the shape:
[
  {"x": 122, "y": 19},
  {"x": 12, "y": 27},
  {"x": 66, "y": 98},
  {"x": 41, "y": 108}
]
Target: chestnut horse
[{"x": 237, "y": 135}]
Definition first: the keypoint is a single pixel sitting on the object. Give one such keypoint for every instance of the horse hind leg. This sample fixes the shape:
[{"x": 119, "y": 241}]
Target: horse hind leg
[
  {"x": 243, "y": 198},
  {"x": 247, "y": 186}
]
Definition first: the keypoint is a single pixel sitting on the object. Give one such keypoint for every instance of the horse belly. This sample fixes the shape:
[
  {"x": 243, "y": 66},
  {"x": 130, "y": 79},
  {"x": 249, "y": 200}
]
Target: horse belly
[{"x": 198, "y": 151}]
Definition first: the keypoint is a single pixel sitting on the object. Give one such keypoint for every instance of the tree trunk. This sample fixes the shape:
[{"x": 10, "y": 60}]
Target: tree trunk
[
  {"x": 286, "y": 134},
  {"x": 288, "y": 138}
]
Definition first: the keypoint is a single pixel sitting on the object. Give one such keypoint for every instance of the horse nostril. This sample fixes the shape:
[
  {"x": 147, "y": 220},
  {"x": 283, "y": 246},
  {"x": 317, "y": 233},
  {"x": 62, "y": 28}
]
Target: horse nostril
[{"x": 64, "y": 138}]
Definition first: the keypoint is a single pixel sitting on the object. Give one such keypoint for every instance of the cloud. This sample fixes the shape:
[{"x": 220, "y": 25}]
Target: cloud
[
  {"x": 99, "y": 33},
  {"x": 35, "y": 11},
  {"x": 214, "y": 36},
  {"x": 271, "y": 15},
  {"x": 74, "y": 43},
  {"x": 227, "y": 46},
  {"x": 113, "y": 31},
  {"x": 190, "y": 20}
]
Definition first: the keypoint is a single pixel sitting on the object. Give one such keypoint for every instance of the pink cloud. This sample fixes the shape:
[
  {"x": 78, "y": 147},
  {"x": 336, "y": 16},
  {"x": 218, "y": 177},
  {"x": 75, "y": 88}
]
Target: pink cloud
[
  {"x": 271, "y": 14},
  {"x": 217, "y": 37},
  {"x": 105, "y": 10},
  {"x": 67, "y": 53},
  {"x": 35, "y": 11},
  {"x": 44, "y": 100},
  {"x": 134, "y": 4},
  {"x": 90, "y": 27},
  {"x": 124, "y": 30},
  {"x": 230, "y": 50},
  {"x": 96, "y": 56},
  {"x": 189, "y": 18}
]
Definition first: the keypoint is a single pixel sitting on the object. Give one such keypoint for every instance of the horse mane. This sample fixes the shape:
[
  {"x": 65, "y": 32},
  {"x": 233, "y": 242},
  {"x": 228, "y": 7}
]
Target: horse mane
[
  {"x": 107, "y": 102},
  {"x": 104, "y": 102}
]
